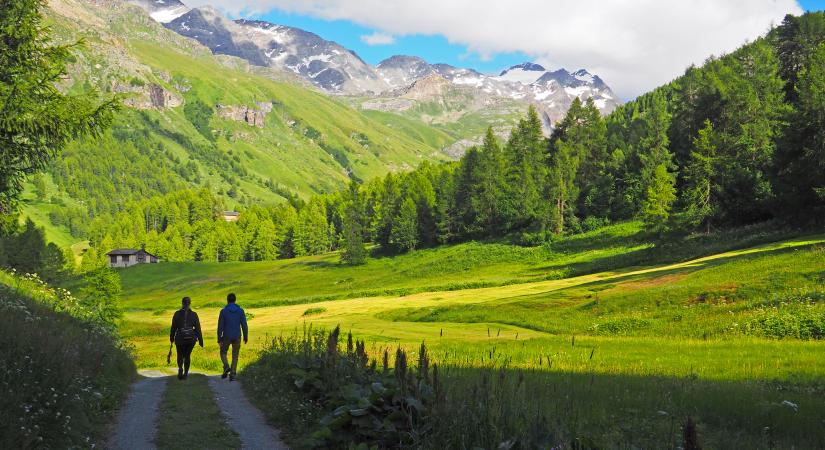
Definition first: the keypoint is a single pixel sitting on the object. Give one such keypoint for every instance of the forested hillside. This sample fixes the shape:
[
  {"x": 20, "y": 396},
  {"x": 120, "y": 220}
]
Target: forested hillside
[
  {"x": 737, "y": 141},
  {"x": 191, "y": 120}
]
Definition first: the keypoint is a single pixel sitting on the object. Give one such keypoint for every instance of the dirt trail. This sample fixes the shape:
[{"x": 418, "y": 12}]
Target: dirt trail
[
  {"x": 244, "y": 418},
  {"x": 135, "y": 426}
]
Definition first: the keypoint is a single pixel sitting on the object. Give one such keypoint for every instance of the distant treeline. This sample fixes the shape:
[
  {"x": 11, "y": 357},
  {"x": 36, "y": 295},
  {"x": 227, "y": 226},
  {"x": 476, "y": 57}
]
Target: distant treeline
[{"x": 738, "y": 141}]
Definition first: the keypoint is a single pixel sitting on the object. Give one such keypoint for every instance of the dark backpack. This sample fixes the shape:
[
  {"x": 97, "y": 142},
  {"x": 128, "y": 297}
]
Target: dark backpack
[{"x": 186, "y": 334}]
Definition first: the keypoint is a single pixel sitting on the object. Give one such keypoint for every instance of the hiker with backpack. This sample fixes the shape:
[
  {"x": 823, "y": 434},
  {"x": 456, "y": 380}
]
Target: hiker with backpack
[
  {"x": 185, "y": 333},
  {"x": 231, "y": 322}
]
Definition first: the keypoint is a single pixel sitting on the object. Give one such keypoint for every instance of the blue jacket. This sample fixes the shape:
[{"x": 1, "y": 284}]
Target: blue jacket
[{"x": 230, "y": 322}]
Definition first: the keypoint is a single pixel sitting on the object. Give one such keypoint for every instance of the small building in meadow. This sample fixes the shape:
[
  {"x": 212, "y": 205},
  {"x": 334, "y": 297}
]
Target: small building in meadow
[
  {"x": 127, "y": 257},
  {"x": 231, "y": 216}
]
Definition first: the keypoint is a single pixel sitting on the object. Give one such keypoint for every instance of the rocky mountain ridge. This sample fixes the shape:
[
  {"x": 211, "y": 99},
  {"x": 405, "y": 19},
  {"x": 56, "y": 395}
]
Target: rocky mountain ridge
[{"x": 393, "y": 84}]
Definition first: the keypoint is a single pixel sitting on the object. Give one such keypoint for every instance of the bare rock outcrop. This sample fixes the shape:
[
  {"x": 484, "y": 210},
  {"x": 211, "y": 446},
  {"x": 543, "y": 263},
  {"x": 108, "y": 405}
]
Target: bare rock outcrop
[{"x": 251, "y": 116}]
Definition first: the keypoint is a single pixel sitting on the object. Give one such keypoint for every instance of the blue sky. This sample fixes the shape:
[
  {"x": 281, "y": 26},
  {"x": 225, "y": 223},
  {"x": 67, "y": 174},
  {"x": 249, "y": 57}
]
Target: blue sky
[
  {"x": 434, "y": 48},
  {"x": 633, "y": 45}
]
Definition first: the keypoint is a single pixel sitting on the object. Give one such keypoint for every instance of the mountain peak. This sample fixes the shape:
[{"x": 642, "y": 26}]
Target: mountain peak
[
  {"x": 400, "y": 60},
  {"x": 525, "y": 66},
  {"x": 163, "y": 11}
]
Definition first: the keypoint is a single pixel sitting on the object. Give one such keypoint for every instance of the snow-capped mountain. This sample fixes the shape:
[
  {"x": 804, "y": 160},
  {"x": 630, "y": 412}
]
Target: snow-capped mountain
[
  {"x": 551, "y": 92},
  {"x": 401, "y": 70},
  {"x": 326, "y": 64},
  {"x": 394, "y": 82},
  {"x": 163, "y": 11}
]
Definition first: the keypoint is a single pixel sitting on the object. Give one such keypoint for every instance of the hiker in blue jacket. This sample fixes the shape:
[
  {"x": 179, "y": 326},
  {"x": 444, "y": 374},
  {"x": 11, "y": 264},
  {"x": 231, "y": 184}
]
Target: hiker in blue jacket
[{"x": 230, "y": 323}]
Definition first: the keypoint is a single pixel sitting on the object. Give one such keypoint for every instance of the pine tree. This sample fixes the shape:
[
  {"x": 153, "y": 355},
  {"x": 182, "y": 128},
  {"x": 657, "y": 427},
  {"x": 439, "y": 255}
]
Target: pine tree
[
  {"x": 312, "y": 234},
  {"x": 39, "y": 183},
  {"x": 387, "y": 211},
  {"x": 37, "y": 120},
  {"x": 800, "y": 161},
  {"x": 660, "y": 197},
  {"x": 526, "y": 174},
  {"x": 467, "y": 184},
  {"x": 699, "y": 175},
  {"x": 654, "y": 154},
  {"x": 405, "y": 227},
  {"x": 354, "y": 252},
  {"x": 489, "y": 199},
  {"x": 447, "y": 227},
  {"x": 561, "y": 188},
  {"x": 101, "y": 294}
]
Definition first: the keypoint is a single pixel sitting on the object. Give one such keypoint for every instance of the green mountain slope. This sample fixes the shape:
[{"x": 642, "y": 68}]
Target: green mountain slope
[{"x": 192, "y": 119}]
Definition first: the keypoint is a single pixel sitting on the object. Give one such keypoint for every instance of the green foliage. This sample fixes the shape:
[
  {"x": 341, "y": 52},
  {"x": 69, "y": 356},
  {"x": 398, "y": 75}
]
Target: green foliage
[
  {"x": 312, "y": 234},
  {"x": 199, "y": 114},
  {"x": 405, "y": 227},
  {"x": 660, "y": 196},
  {"x": 354, "y": 252},
  {"x": 37, "y": 120},
  {"x": 39, "y": 183},
  {"x": 362, "y": 405},
  {"x": 101, "y": 295},
  {"x": 26, "y": 251},
  {"x": 63, "y": 376},
  {"x": 314, "y": 311},
  {"x": 800, "y": 160}
]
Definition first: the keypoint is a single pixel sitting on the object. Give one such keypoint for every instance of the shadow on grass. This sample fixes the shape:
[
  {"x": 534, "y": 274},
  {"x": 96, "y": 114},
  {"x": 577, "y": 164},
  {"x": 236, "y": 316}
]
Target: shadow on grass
[{"x": 625, "y": 411}]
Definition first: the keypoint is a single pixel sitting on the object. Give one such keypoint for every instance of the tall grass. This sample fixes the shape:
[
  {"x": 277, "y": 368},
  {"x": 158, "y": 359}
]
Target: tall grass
[
  {"x": 328, "y": 395},
  {"x": 62, "y": 375},
  {"x": 350, "y": 399}
]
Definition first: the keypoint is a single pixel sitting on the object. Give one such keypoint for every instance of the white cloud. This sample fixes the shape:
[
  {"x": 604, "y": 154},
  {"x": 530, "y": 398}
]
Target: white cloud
[
  {"x": 377, "y": 38},
  {"x": 634, "y": 45}
]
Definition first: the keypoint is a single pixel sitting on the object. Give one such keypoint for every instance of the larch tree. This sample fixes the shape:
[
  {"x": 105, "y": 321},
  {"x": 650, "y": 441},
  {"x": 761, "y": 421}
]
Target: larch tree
[{"x": 36, "y": 119}]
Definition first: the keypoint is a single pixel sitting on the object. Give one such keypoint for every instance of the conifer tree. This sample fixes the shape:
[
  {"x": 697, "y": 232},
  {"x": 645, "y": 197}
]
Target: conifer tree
[
  {"x": 800, "y": 161},
  {"x": 312, "y": 235},
  {"x": 354, "y": 251},
  {"x": 661, "y": 194},
  {"x": 490, "y": 206},
  {"x": 445, "y": 215},
  {"x": 699, "y": 175},
  {"x": 388, "y": 204},
  {"x": 405, "y": 227},
  {"x": 526, "y": 173},
  {"x": 36, "y": 119},
  {"x": 467, "y": 186}
]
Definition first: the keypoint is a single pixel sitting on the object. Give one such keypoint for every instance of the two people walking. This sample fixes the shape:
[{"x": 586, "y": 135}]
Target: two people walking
[{"x": 186, "y": 332}]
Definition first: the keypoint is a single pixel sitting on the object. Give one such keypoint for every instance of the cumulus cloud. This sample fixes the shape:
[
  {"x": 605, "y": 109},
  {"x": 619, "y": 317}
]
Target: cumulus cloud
[
  {"x": 378, "y": 39},
  {"x": 634, "y": 45}
]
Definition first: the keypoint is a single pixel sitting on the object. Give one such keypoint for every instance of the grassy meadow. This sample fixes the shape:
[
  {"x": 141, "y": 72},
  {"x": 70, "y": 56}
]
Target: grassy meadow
[{"x": 613, "y": 341}]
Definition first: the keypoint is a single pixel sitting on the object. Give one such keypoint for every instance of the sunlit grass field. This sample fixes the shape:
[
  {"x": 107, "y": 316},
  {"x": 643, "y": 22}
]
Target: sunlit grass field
[{"x": 612, "y": 342}]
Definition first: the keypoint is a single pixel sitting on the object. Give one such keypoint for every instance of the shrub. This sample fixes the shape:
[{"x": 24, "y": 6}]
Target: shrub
[
  {"x": 62, "y": 375},
  {"x": 347, "y": 400},
  {"x": 313, "y": 311},
  {"x": 795, "y": 315}
]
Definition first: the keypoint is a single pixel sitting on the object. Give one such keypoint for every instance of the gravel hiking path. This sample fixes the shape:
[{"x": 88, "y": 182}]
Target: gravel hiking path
[
  {"x": 135, "y": 428},
  {"x": 244, "y": 418}
]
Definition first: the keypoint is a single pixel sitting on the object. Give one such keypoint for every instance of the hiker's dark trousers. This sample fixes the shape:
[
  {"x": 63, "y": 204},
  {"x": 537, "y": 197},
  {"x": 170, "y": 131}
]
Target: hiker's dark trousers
[{"x": 184, "y": 354}]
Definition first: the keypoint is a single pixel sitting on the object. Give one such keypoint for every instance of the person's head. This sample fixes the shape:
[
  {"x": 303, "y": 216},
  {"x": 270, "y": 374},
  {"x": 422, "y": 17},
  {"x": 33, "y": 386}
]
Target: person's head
[
  {"x": 186, "y": 302},
  {"x": 230, "y": 298}
]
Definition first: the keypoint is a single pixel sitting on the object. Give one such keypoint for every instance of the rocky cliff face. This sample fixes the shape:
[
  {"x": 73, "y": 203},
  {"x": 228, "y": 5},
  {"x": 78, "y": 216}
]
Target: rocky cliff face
[{"x": 255, "y": 117}]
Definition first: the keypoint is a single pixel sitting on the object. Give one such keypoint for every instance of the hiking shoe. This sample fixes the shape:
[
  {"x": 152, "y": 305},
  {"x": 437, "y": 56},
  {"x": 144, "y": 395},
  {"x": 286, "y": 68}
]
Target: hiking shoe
[
  {"x": 185, "y": 375},
  {"x": 231, "y": 377},
  {"x": 180, "y": 374},
  {"x": 226, "y": 371}
]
